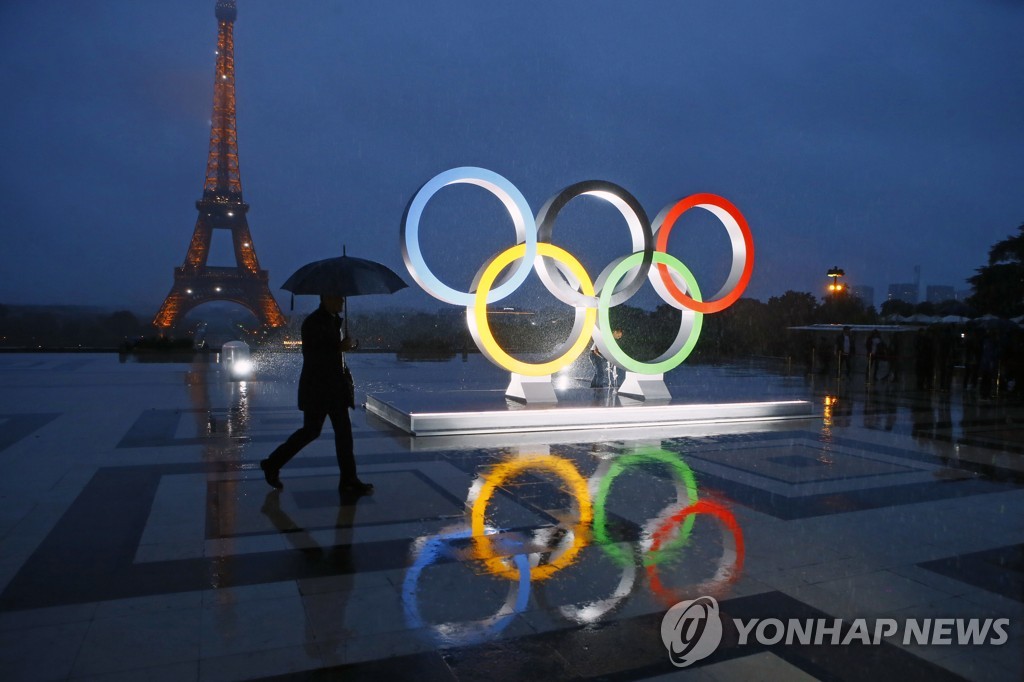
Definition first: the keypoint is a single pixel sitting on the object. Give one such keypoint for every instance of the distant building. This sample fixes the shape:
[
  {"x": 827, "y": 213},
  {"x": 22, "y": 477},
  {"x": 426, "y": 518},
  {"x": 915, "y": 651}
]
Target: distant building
[
  {"x": 906, "y": 292},
  {"x": 937, "y": 293},
  {"x": 964, "y": 294},
  {"x": 864, "y": 293}
]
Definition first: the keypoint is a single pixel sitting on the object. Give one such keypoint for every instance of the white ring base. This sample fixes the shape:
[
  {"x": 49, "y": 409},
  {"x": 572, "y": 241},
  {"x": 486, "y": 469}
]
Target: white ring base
[
  {"x": 527, "y": 389},
  {"x": 645, "y": 387}
]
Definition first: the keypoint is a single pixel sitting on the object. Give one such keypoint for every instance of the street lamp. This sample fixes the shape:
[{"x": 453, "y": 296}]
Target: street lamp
[{"x": 836, "y": 287}]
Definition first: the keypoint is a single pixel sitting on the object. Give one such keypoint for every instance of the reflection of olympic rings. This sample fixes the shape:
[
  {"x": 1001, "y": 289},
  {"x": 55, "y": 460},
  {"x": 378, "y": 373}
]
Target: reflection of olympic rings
[
  {"x": 562, "y": 468},
  {"x": 686, "y": 485},
  {"x": 524, "y": 555},
  {"x": 571, "y": 284},
  {"x": 594, "y": 611},
  {"x": 435, "y": 548},
  {"x": 730, "y": 565}
]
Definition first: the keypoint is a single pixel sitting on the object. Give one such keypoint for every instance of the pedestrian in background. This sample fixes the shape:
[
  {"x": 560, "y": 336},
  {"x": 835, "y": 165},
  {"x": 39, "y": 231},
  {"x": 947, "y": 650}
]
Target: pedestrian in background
[{"x": 845, "y": 351}]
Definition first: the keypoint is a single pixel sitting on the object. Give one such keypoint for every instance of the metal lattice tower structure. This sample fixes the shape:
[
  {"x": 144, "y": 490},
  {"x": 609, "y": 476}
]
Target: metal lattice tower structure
[{"x": 221, "y": 207}]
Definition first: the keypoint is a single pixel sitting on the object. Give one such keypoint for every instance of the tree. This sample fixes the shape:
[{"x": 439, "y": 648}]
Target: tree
[
  {"x": 998, "y": 288},
  {"x": 897, "y": 306},
  {"x": 121, "y": 326},
  {"x": 793, "y": 308},
  {"x": 844, "y": 309}
]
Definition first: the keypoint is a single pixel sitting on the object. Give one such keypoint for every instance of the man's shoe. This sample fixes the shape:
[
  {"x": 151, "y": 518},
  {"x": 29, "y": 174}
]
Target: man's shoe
[
  {"x": 271, "y": 474},
  {"x": 357, "y": 487}
]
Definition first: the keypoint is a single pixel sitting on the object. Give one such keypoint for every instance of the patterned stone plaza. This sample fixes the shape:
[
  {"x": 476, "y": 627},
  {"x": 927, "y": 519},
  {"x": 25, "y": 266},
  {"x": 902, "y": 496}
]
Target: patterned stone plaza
[{"x": 139, "y": 541}]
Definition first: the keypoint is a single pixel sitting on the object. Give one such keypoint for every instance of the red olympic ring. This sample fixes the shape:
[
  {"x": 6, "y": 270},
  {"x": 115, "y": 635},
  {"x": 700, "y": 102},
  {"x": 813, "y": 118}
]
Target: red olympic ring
[{"x": 742, "y": 247}]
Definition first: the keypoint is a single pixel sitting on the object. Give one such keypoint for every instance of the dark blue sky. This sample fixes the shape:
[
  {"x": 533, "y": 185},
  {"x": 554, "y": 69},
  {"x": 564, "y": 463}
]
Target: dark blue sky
[{"x": 876, "y": 135}]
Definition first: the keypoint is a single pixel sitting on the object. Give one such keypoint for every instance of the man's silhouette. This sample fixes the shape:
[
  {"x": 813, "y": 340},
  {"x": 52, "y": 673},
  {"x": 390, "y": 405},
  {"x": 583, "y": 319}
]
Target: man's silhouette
[{"x": 323, "y": 392}]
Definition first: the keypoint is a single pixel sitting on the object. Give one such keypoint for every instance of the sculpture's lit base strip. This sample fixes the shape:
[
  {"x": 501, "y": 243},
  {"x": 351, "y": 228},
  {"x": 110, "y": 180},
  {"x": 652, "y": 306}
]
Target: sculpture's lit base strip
[{"x": 561, "y": 417}]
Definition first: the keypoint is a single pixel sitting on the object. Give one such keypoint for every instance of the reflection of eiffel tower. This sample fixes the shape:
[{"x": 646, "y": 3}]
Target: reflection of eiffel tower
[{"x": 221, "y": 207}]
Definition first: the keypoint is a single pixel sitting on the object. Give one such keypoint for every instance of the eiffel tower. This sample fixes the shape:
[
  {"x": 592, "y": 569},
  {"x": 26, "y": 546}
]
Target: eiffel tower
[{"x": 221, "y": 208}]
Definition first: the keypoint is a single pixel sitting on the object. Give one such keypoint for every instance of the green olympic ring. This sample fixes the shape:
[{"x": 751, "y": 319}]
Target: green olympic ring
[{"x": 686, "y": 338}]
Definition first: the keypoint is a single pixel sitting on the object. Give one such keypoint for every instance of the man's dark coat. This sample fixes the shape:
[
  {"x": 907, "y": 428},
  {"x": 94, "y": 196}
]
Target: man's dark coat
[{"x": 322, "y": 386}]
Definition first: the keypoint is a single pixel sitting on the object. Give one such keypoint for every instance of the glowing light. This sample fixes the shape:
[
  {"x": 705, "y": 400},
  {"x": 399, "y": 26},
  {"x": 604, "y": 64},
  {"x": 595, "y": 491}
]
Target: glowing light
[
  {"x": 836, "y": 286},
  {"x": 241, "y": 368},
  {"x": 830, "y": 402},
  {"x": 217, "y": 289},
  {"x": 230, "y": 214},
  {"x": 188, "y": 291}
]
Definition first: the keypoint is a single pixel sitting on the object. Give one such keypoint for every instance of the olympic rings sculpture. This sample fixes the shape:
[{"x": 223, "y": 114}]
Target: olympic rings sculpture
[
  {"x": 566, "y": 279},
  {"x": 547, "y": 551}
]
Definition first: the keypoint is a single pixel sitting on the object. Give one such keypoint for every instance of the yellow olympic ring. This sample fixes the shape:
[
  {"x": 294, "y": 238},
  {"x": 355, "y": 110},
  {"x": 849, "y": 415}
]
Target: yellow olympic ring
[
  {"x": 562, "y": 468},
  {"x": 476, "y": 316}
]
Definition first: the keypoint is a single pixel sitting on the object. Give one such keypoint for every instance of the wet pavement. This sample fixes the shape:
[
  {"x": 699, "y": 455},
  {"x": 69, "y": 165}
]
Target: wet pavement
[{"x": 138, "y": 539}]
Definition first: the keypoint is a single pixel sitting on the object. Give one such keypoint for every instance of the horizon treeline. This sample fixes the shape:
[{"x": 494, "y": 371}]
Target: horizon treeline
[{"x": 749, "y": 327}]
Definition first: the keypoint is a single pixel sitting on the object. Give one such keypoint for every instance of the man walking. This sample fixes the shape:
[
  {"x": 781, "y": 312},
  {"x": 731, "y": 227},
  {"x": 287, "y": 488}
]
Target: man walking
[{"x": 323, "y": 392}]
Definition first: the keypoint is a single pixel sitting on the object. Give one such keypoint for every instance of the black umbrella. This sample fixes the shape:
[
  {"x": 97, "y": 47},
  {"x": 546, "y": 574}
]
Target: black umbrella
[{"x": 344, "y": 276}]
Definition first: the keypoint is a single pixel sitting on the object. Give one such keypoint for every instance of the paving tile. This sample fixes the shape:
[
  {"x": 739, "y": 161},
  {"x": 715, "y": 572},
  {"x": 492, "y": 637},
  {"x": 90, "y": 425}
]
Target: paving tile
[
  {"x": 54, "y": 615},
  {"x": 44, "y": 652},
  {"x": 345, "y": 583},
  {"x": 149, "y": 604},
  {"x": 761, "y": 667},
  {"x": 225, "y": 596},
  {"x": 176, "y": 672},
  {"x": 882, "y": 592},
  {"x": 253, "y": 625},
  {"x": 261, "y": 663},
  {"x": 384, "y": 645},
  {"x": 139, "y": 640},
  {"x": 515, "y": 660}
]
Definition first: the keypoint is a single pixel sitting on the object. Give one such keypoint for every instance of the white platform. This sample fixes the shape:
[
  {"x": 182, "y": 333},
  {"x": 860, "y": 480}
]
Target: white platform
[{"x": 483, "y": 412}]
